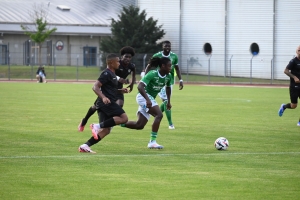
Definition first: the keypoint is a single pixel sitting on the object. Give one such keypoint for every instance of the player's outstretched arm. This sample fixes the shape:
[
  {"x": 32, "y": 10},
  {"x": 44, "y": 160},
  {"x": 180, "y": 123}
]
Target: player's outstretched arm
[
  {"x": 168, "y": 92},
  {"x": 130, "y": 86},
  {"x": 96, "y": 88},
  {"x": 142, "y": 91},
  {"x": 179, "y": 77},
  {"x": 123, "y": 90}
]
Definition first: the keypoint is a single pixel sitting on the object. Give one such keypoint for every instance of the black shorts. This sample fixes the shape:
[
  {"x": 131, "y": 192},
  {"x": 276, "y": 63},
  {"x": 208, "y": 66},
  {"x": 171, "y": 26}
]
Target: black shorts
[
  {"x": 120, "y": 96},
  {"x": 294, "y": 94},
  {"x": 106, "y": 111}
]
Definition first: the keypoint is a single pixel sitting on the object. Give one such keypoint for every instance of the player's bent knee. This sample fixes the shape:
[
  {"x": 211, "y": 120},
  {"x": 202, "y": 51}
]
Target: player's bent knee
[
  {"x": 293, "y": 106},
  {"x": 124, "y": 119},
  {"x": 159, "y": 116},
  {"x": 139, "y": 126}
]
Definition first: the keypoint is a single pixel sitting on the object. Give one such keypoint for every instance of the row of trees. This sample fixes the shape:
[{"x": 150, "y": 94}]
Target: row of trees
[{"x": 131, "y": 29}]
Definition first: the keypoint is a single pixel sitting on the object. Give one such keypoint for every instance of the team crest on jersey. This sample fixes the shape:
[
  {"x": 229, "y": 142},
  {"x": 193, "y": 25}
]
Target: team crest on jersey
[
  {"x": 105, "y": 73},
  {"x": 129, "y": 70}
]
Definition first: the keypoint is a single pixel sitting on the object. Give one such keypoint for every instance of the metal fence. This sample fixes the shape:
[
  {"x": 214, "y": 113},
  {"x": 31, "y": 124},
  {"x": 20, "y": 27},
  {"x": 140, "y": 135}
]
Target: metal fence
[{"x": 230, "y": 69}]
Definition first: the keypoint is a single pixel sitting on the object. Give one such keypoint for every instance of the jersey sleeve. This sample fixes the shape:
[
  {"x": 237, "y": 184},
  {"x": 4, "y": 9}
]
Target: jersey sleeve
[
  {"x": 147, "y": 78},
  {"x": 175, "y": 59},
  {"x": 291, "y": 64},
  {"x": 104, "y": 77},
  {"x": 156, "y": 55}
]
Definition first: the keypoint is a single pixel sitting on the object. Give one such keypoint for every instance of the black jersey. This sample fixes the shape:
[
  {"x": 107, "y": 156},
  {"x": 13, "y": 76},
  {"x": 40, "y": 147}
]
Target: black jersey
[
  {"x": 40, "y": 70},
  {"x": 123, "y": 72},
  {"x": 294, "y": 67},
  {"x": 109, "y": 82}
]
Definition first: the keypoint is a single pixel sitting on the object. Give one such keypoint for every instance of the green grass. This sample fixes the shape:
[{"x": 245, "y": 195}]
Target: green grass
[
  {"x": 39, "y": 141},
  {"x": 89, "y": 73}
]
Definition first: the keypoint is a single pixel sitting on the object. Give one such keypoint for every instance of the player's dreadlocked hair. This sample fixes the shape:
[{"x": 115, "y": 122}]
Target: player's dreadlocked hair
[
  {"x": 154, "y": 62},
  {"x": 127, "y": 49}
]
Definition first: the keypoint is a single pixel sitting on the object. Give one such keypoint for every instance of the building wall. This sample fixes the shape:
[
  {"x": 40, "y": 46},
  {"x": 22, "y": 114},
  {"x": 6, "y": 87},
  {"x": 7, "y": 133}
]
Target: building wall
[
  {"x": 250, "y": 22},
  {"x": 230, "y": 26},
  {"x": 202, "y": 23},
  {"x": 168, "y": 15},
  {"x": 287, "y": 37},
  {"x": 71, "y": 54}
]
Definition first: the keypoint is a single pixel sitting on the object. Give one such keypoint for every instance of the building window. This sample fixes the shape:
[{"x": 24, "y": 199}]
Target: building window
[
  {"x": 3, "y": 55},
  {"x": 207, "y": 49},
  {"x": 254, "y": 49},
  {"x": 89, "y": 56}
]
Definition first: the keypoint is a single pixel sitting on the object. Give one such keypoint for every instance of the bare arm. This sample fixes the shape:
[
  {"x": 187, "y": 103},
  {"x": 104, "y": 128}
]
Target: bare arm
[
  {"x": 288, "y": 73},
  {"x": 168, "y": 92},
  {"x": 142, "y": 91},
  {"x": 96, "y": 88},
  {"x": 130, "y": 86},
  {"x": 179, "y": 77}
]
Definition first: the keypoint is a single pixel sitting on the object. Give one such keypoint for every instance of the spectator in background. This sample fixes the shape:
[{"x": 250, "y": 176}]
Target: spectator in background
[{"x": 41, "y": 75}]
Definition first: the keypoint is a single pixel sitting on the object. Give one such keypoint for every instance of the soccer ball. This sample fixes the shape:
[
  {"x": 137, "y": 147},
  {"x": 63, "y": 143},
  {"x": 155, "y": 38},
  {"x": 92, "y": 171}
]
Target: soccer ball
[{"x": 221, "y": 143}]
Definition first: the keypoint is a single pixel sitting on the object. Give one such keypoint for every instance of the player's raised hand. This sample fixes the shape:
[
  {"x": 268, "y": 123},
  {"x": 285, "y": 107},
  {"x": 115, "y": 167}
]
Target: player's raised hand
[
  {"x": 148, "y": 104},
  {"x": 130, "y": 87},
  {"x": 124, "y": 81},
  {"x": 124, "y": 90}
]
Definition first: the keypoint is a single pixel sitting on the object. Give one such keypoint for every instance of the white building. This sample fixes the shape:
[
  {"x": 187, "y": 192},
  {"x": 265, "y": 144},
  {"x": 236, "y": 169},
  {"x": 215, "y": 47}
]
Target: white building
[
  {"x": 232, "y": 29},
  {"x": 80, "y": 26}
]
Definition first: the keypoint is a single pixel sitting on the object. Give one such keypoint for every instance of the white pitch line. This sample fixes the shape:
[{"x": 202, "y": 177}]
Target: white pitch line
[{"x": 85, "y": 155}]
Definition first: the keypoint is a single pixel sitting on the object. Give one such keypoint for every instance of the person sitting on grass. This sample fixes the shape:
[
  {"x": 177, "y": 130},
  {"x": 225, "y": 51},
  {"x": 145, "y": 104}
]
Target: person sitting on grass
[{"x": 41, "y": 75}]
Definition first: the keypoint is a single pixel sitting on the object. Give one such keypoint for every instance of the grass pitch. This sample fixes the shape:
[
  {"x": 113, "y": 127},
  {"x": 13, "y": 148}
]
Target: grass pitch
[{"x": 39, "y": 140}]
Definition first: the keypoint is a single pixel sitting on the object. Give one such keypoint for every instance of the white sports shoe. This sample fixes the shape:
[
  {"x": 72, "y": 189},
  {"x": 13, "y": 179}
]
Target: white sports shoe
[
  {"x": 172, "y": 127},
  {"x": 154, "y": 145},
  {"x": 85, "y": 149}
]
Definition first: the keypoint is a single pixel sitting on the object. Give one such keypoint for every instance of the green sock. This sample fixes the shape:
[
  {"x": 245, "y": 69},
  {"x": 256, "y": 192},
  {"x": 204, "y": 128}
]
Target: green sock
[
  {"x": 123, "y": 125},
  {"x": 169, "y": 116},
  {"x": 153, "y": 136}
]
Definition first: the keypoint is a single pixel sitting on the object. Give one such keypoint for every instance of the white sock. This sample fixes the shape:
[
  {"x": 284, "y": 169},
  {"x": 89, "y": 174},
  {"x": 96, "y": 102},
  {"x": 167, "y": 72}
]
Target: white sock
[{"x": 96, "y": 126}]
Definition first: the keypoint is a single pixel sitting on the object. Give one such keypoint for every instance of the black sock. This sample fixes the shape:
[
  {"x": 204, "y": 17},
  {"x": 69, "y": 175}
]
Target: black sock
[
  {"x": 108, "y": 123},
  {"x": 288, "y": 105},
  {"x": 90, "y": 112},
  {"x": 92, "y": 141}
]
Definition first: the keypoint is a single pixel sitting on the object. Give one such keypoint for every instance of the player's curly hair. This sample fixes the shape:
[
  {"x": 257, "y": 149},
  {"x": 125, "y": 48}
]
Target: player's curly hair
[
  {"x": 156, "y": 61},
  {"x": 127, "y": 49}
]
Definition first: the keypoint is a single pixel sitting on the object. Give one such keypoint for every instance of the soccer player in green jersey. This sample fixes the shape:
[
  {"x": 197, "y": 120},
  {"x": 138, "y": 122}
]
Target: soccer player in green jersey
[
  {"x": 148, "y": 88},
  {"x": 166, "y": 53}
]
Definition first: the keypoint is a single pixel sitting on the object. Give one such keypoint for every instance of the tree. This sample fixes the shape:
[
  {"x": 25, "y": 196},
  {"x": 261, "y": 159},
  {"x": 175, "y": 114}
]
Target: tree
[
  {"x": 41, "y": 30},
  {"x": 133, "y": 29}
]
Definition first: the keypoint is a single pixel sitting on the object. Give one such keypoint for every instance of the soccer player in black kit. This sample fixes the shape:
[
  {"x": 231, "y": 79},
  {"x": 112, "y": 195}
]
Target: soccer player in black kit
[
  {"x": 109, "y": 112},
  {"x": 293, "y": 71},
  {"x": 125, "y": 68}
]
